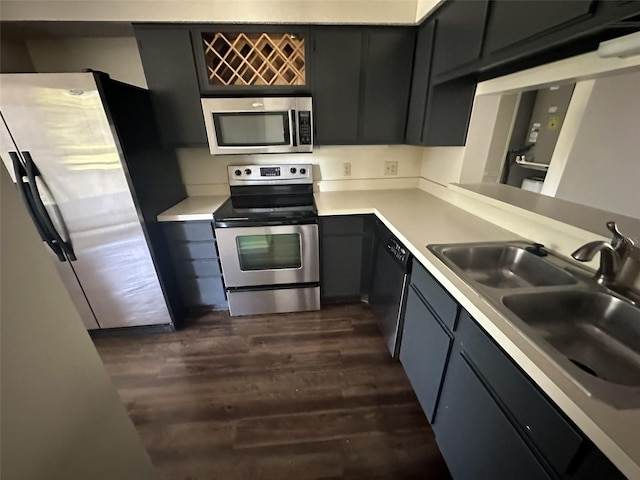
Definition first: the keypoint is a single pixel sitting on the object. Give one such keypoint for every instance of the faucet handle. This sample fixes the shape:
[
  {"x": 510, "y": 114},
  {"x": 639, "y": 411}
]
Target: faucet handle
[{"x": 620, "y": 242}]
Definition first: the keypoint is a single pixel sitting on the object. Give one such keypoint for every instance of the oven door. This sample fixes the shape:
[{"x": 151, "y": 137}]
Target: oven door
[{"x": 270, "y": 255}]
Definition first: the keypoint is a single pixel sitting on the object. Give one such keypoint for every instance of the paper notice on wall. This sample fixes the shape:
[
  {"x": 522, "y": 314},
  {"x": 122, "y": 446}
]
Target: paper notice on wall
[{"x": 533, "y": 134}]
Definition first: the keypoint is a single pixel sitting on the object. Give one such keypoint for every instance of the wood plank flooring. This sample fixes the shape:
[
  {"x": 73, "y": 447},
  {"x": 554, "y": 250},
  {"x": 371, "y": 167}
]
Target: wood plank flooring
[{"x": 298, "y": 396}]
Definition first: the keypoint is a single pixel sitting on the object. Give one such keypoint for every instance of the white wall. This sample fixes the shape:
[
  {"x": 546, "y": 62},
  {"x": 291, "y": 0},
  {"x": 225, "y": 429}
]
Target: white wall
[
  {"x": 119, "y": 57},
  {"x": 237, "y": 11},
  {"x": 61, "y": 417},
  {"x": 204, "y": 174},
  {"x": 603, "y": 168},
  {"x": 442, "y": 165}
]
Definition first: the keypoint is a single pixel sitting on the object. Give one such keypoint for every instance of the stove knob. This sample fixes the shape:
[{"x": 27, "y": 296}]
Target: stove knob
[
  {"x": 303, "y": 171},
  {"x": 247, "y": 171},
  {"x": 237, "y": 173},
  {"x": 293, "y": 170}
]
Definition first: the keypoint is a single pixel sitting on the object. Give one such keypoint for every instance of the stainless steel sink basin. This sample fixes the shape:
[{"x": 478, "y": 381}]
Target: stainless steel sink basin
[
  {"x": 504, "y": 266},
  {"x": 597, "y": 332},
  {"x": 589, "y": 332}
]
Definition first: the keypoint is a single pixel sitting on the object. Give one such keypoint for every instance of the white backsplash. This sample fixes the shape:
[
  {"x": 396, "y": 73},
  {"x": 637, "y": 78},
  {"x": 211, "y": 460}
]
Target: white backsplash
[{"x": 205, "y": 174}]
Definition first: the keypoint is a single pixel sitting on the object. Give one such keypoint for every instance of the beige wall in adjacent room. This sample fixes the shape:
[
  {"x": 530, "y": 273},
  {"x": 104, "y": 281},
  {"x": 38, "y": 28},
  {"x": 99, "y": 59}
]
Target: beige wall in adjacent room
[
  {"x": 237, "y": 11},
  {"x": 117, "y": 56},
  {"x": 204, "y": 174},
  {"x": 61, "y": 417}
]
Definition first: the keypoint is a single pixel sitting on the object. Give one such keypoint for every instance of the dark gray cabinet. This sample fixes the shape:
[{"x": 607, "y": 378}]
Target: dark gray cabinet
[
  {"x": 420, "y": 84},
  {"x": 337, "y": 69},
  {"x": 459, "y": 34},
  {"x": 388, "y": 69},
  {"x": 512, "y": 23},
  {"x": 490, "y": 419},
  {"x": 345, "y": 257},
  {"x": 474, "y": 435},
  {"x": 424, "y": 351},
  {"x": 429, "y": 320},
  {"x": 167, "y": 59},
  {"x": 361, "y": 84},
  {"x": 439, "y": 113},
  {"x": 195, "y": 263},
  {"x": 449, "y": 112}
]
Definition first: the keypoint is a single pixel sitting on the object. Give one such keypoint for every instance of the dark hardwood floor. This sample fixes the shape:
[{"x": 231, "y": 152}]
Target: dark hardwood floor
[{"x": 295, "y": 397}]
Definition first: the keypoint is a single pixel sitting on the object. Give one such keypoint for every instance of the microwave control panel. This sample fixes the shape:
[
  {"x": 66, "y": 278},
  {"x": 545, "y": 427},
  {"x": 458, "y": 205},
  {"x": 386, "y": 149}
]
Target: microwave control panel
[{"x": 304, "y": 127}]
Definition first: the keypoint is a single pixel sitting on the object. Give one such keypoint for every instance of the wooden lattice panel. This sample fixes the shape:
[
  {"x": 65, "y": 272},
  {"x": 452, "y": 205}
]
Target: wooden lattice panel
[{"x": 254, "y": 58}]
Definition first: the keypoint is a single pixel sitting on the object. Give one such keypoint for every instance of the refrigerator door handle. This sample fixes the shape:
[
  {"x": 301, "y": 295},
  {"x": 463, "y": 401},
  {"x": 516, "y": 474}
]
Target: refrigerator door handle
[
  {"x": 32, "y": 173},
  {"x": 27, "y": 197}
]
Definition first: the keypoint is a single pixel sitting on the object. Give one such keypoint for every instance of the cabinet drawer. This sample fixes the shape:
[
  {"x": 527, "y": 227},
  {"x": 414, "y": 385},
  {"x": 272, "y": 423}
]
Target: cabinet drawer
[
  {"x": 203, "y": 292},
  {"x": 197, "y": 268},
  {"x": 188, "y": 231},
  {"x": 342, "y": 225},
  {"x": 554, "y": 436},
  {"x": 193, "y": 250},
  {"x": 442, "y": 304}
]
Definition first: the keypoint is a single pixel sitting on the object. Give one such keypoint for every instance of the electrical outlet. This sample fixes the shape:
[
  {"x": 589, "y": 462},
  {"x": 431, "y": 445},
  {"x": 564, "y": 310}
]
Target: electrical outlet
[
  {"x": 391, "y": 168},
  {"x": 346, "y": 169}
]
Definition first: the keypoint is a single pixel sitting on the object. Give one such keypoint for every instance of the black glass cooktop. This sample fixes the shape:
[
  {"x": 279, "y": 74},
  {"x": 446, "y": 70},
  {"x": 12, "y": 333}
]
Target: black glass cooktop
[{"x": 277, "y": 209}]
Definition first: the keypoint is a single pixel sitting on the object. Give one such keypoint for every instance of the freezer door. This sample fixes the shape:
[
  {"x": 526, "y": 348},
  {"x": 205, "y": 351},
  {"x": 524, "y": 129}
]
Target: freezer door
[{"x": 59, "y": 119}]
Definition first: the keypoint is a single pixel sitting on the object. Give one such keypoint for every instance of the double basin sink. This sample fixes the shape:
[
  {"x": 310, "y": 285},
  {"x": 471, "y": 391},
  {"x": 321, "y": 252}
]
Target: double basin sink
[{"x": 587, "y": 330}]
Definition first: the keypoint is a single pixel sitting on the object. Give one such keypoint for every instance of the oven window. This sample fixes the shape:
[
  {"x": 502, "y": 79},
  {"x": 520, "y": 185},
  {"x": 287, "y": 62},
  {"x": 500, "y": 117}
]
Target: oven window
[
  {"x": 252, "y": 129},
  {"x": 269, "y": 252}
]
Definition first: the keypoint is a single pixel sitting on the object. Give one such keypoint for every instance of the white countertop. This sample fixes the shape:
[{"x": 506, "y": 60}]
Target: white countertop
[
  {"x": 419, "y": 219},
  {"x": 193, "y": 208}
]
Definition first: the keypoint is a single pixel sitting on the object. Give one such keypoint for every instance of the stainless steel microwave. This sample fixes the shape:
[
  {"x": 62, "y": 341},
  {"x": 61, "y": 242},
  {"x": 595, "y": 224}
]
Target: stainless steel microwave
[{"x": 258, "y": 125}]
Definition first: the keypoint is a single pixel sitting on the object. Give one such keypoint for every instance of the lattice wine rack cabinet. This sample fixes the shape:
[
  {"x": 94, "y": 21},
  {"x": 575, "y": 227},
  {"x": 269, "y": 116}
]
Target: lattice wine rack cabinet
[{"x": 260, "y": 59}]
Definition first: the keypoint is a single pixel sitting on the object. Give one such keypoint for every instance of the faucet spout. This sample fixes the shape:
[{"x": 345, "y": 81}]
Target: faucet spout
[{"x": 609, "y": 260}]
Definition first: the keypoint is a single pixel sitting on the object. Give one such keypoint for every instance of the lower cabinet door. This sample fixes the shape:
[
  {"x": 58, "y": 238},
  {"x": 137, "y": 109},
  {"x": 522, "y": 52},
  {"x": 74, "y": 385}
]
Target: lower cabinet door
[
  {"x": 424, "y": 350},
  {"x": 476, "y": 439}
]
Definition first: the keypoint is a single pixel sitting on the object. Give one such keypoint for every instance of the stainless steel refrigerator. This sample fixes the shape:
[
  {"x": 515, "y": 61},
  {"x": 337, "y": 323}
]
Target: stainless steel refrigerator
[{"x": 84, "y": 154}]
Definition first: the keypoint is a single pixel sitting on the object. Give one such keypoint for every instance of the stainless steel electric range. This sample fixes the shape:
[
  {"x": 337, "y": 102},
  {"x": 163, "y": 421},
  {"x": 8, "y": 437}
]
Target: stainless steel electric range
[{"x": 267, "y": 234}]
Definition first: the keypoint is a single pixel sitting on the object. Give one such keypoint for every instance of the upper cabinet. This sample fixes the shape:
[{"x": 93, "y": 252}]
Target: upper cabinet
[
  {"x": 514, "y": 22},
  {"x": 337, "y": 70},
  {"x": 361, "y": 81},
  {"x": 370, "y": 84},
  {"x": 252, "y": 60},
  {"x": 170, "y": 71},
  {"x": 459, "y": 34}
]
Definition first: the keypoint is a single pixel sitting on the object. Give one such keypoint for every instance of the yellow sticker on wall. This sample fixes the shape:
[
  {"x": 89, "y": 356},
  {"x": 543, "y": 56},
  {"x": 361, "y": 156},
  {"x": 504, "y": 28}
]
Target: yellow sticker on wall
[{"x": 553, "y": 123}]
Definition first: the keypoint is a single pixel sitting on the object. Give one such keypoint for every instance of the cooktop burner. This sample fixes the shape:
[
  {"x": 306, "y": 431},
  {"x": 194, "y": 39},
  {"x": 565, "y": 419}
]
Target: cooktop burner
[{"x": 268, "y": 195}]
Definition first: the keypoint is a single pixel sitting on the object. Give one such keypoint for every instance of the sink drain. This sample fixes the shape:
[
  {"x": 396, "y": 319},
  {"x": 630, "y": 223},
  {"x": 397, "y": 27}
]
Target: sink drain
[{"x": 584, "y": 367}]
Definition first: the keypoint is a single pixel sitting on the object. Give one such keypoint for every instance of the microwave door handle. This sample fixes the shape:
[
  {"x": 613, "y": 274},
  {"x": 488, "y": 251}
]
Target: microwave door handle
[{"x": 293, "y": 138}]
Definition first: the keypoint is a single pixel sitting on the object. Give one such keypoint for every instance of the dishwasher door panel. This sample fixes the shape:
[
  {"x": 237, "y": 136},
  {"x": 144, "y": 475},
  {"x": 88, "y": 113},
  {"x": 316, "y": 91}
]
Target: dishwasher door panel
[{"x": 386, "y": 297}]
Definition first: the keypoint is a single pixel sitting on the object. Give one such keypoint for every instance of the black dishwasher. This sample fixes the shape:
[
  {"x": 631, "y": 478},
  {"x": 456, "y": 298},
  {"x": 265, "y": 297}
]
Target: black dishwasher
[{"x": 387, "y": 297}]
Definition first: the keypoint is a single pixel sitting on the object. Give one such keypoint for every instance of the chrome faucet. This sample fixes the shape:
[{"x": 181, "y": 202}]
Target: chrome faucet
[
  {"x": 609, "y": 260},
  {"x": 612, "y": 255}
]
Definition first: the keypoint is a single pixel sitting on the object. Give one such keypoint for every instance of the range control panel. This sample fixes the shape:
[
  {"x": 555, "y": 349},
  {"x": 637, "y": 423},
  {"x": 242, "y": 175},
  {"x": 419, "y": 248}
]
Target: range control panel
[{"x": 270, "y": 174}]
